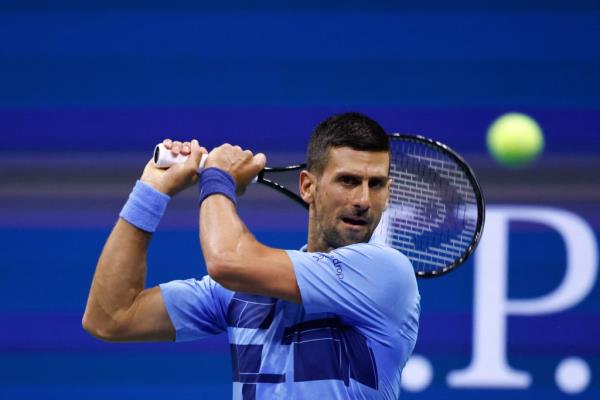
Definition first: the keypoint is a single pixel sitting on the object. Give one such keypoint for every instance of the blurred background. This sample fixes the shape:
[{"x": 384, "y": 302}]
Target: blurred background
[{"x": 87, "y": 88}]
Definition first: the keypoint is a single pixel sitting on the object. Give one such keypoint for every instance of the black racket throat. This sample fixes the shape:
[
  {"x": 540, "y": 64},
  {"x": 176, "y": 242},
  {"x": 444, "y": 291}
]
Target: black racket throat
[{"x": 261, "y": 178}]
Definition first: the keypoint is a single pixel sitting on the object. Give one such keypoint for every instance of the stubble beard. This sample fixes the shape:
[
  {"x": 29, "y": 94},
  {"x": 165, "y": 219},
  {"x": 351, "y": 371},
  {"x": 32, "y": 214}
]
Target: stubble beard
[{"x": 334, "y": 239}]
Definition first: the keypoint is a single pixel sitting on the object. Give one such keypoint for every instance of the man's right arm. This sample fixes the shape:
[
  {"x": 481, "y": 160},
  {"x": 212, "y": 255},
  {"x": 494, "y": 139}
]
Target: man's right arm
[{"x": 118, "y": 307}]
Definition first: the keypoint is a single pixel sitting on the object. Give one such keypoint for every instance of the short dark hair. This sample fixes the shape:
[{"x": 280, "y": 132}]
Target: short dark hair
[{"x": 350, "y": 129}]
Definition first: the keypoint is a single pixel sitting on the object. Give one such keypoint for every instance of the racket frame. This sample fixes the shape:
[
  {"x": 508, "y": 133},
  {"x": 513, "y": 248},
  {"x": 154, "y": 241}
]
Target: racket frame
[{"x": 478, "y": 195}]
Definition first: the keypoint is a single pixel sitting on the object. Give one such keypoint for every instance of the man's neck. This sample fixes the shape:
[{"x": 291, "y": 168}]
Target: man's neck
[{"x": 315, "y": 242}]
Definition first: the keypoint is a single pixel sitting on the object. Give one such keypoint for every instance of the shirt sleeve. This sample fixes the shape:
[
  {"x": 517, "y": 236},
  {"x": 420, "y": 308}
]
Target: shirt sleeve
[
  {"x": 197, "y": 308},
  {"x": 371, "y": 284}
]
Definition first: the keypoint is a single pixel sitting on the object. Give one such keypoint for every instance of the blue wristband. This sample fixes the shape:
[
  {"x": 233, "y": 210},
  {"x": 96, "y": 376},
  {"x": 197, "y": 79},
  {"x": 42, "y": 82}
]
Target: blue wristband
[
  {"x": 145, "y": 207},
  {"x": 216, "y": 181}
]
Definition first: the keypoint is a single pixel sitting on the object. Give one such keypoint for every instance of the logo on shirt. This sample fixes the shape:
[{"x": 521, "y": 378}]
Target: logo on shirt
[
  {"x": 318, "y": 257},
  {"x": 337, "y": 264}
]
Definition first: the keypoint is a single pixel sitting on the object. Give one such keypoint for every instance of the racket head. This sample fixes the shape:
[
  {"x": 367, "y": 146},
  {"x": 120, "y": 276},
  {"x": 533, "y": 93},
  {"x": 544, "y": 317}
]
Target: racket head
[{"x": 436, "y": 210}]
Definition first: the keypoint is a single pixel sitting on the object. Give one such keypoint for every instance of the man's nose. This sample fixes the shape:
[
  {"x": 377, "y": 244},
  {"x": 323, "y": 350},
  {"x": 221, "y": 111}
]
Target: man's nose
[{"x": 362, "y": 199}]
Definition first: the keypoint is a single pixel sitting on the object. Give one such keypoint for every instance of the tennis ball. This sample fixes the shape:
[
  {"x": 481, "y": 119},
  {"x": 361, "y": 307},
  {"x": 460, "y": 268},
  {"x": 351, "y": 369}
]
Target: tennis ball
[{"x": 515, "y": 140}]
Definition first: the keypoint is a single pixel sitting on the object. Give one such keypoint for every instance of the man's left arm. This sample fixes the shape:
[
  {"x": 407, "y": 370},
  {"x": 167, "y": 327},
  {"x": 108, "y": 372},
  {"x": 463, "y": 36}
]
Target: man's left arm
[{"x": 234, "y": 258}]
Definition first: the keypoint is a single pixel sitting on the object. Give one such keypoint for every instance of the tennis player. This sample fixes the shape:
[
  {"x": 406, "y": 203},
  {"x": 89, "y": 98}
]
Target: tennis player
[{"x": 337, "y": 319}]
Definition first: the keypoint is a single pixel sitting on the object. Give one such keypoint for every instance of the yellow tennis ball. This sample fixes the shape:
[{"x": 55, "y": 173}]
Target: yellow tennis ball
[{"x": 515, "y": 140}]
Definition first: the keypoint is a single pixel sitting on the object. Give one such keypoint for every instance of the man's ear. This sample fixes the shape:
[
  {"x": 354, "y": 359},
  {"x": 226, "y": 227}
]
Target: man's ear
[
  {"x": 308, "y": 185},
  {"x": 389, "y": 185}
]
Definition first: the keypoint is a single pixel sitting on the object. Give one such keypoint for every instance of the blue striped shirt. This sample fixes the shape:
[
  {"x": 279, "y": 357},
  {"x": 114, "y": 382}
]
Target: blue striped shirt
[{"x": 349, "y": 339}]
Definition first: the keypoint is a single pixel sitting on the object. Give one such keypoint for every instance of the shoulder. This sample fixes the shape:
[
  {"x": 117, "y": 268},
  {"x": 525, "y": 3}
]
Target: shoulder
[
  {"x": 394, "y": 280},
  {"x": 375, "y": 255},
  {"x": 373, "y": 261},
  {"x": 387, "y": 268}
]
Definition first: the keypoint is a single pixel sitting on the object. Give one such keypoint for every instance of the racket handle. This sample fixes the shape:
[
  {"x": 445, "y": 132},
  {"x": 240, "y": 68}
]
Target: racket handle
[{"x": 163, "y": 158}]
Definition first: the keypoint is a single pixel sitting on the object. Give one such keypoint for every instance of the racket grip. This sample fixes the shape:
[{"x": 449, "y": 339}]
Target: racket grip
[{"x": 163, "y": 158}]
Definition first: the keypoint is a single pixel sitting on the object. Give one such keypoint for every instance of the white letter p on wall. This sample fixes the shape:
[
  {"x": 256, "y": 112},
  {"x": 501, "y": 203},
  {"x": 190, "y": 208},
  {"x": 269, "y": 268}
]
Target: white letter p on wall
[{"x": 489, "y": 366}]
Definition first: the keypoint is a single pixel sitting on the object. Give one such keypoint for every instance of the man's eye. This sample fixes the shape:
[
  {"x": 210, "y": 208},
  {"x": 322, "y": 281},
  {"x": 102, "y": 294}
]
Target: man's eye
[
  {"x": 349, "y": 180},
  {"x": 377, "y": 183}
]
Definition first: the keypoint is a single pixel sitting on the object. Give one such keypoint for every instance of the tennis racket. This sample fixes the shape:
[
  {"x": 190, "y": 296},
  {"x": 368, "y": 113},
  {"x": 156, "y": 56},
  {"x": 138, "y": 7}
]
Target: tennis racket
[{"x": 436, "y": 210}]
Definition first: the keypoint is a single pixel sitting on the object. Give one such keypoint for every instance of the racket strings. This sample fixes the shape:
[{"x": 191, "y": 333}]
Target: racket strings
[{"x": 432, "y": 214}]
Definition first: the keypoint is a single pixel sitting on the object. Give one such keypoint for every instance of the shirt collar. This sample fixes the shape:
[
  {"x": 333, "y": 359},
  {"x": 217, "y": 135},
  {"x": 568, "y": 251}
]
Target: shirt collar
[{"x": 375, "y": 239}]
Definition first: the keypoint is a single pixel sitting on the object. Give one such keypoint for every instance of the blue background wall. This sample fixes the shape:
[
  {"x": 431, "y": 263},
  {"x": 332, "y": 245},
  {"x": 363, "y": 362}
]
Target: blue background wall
[{"x": 87, "y": 89}]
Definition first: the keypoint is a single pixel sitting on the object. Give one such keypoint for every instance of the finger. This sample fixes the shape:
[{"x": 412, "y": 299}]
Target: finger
[
  {"x": 196, "y": 143},
  {"x": 260, "y": 160},
  {"x": 237, "y": 148},
  {"x": 168, "y": 143},
  {"x": 176, "y": 148},
  {"x": 247, "y": 154},
  {"x": 195, "y": 154},
  {"x": 186, "y": 148}
]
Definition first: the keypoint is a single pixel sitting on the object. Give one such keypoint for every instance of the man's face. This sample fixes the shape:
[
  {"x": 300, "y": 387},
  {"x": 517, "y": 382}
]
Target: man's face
[{"x": 350, "y": 196}]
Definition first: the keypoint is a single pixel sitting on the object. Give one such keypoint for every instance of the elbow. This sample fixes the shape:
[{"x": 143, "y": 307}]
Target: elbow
[
  {"x": 227, "y": 262},
  {"x": 223, "y": 268},
  {"x": 100, "y": 330},
  {"x": 90, "y": 327}
]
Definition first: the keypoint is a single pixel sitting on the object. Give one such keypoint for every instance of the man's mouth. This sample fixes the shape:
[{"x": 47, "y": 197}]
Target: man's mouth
[{"x": 355, "y": 221}]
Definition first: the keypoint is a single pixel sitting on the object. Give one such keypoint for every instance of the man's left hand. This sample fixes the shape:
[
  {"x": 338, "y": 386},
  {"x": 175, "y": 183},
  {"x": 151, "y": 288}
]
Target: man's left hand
[{"x": 242, "y": 165}]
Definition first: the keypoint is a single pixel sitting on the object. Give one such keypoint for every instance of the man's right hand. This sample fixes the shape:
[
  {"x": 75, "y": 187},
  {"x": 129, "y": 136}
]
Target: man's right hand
[{"x": 174, "y": 179}]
